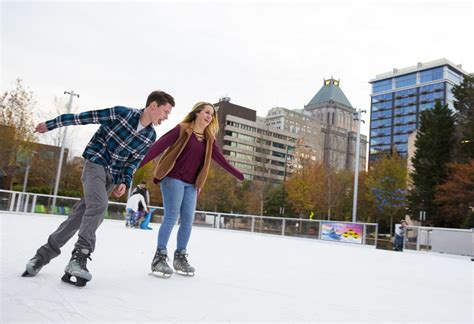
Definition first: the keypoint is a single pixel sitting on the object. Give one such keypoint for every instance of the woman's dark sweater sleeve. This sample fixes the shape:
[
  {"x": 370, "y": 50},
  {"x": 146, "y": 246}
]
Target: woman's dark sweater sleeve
[
  {"x": 220, "y": 159},
  {"x": 161, "y": 145}
]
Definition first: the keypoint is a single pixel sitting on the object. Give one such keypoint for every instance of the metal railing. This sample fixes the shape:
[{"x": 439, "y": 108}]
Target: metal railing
[
  {"x": 14, "y": 201},
  {"x": 440, "y": 239}
]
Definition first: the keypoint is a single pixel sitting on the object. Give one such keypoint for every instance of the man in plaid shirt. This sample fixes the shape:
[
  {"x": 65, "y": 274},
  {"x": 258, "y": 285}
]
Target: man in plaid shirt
[{"x": 111, "y": 158}]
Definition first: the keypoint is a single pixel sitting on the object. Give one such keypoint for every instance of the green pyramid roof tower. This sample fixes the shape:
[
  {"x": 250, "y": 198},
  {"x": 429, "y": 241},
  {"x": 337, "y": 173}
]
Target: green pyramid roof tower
[{"x": 329, "y": 93}]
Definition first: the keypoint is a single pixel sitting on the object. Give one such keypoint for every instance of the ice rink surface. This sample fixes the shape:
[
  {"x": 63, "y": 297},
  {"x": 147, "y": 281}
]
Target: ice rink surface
[{"x": 240, "y": 277}]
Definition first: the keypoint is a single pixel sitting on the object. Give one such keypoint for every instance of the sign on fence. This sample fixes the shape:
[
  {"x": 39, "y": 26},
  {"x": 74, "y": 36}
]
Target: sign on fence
[{"x": 342, "y": 232}]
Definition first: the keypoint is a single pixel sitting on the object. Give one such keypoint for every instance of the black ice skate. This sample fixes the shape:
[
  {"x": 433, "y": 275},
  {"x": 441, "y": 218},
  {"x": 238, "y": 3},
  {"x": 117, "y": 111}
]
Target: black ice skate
[
  {"x": 33, "y": 266},
  {"x": 159, "y": 266},
  {"x": 76, "y": 272},
  {"x": 181, "y": 264}
]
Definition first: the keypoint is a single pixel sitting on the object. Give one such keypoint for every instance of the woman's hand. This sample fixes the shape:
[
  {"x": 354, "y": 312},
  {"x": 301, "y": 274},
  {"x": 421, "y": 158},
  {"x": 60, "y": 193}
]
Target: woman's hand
[{"x": 120, "y": 190}]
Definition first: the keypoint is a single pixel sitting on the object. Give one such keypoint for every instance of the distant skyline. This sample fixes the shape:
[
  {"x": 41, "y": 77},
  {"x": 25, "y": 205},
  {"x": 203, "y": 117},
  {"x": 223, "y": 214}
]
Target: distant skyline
[{"x": 261, "y": 54}]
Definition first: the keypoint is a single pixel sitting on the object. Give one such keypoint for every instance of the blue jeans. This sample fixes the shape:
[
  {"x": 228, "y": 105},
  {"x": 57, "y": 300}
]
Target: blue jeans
[
  {"x": 178, "y": 198},
  {"x": 398, "y": 246}
]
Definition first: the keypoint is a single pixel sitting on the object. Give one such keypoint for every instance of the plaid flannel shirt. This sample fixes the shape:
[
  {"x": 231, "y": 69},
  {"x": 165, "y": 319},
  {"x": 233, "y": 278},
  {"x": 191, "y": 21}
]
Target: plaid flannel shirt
[{"x": 116, "y": 144}]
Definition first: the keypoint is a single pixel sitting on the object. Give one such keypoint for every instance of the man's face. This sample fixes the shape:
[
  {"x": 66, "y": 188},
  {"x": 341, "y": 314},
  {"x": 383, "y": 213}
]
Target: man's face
[{"x": 159, "y": 113}]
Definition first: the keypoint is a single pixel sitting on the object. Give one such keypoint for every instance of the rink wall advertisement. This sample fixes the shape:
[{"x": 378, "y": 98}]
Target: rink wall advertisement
[{"x": 342, "y": 232}]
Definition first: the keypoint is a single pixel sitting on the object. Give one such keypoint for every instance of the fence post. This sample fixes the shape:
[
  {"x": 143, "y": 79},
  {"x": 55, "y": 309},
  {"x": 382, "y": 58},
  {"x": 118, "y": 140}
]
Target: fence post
[
  {"x": 218, "y": 221},
  {"x": 12, "y": 202},
  {"x": 18, "y": 202},
  {"x": 364, "y": 233},
  {"x": 33, "y": 204},
  {"x": 376, "y": 234},
  {"x": 25, "y": 207},
  {"x": 418, "y": 237},
  {"x": 253, "y": 224},
  {"x": 283, "y": 227}
]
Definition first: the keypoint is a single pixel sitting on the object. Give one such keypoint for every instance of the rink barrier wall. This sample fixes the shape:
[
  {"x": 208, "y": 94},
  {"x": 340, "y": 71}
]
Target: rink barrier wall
[{"x": 25, "y": 202}]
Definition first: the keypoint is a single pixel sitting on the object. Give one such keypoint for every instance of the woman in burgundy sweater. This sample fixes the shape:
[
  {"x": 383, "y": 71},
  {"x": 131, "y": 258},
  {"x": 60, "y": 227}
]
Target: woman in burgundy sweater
[{"x": 181, "y": 171}]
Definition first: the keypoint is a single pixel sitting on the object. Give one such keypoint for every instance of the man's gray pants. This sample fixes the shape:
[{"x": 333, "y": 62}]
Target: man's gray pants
[{"x": 86, "y": 215}]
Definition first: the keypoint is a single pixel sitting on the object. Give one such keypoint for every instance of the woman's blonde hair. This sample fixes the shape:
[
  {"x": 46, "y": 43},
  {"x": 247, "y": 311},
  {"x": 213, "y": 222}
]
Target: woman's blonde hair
[{"x": 213, "y": 127}]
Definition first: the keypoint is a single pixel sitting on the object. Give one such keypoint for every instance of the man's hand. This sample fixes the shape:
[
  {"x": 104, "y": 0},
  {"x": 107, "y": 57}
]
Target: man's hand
[
  {"x": 120, "y": 190},
  {"x": 41, "y": 128}
]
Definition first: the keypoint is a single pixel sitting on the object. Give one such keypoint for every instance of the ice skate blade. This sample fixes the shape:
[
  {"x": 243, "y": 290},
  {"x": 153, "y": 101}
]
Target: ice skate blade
[
  {"x": 27, "y": 274},
  {"x": 160, "y": 275},
  {"x": 73, "y": 280},
  {"x": 186, "y": 274}
]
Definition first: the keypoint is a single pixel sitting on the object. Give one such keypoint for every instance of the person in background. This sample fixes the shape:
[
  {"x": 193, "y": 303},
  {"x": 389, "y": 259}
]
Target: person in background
[
  {"x": 186, "y": 154},
  {"x": 142, "y": 189},
  {"x": 133, "y": 210},
  {"x": 400, "y": 230}
]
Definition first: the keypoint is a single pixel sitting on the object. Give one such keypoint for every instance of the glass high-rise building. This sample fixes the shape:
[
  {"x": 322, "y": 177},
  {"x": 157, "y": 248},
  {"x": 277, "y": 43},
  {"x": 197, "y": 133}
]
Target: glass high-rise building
[{"x": 398, "y": 97}]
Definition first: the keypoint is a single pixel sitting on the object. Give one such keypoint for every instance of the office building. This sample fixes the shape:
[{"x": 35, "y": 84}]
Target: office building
[{"x": 398, "y": 97}]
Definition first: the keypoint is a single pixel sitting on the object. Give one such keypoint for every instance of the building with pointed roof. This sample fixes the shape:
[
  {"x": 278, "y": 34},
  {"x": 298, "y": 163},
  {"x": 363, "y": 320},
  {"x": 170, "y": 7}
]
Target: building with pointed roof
[
  {"x": 326, "y": 125},
  {"x": 264, "y": 148}
]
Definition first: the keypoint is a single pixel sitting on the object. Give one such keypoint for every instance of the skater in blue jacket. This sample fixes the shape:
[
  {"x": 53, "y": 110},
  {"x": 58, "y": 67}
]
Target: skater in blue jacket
[{"x": 111, "y": 157}]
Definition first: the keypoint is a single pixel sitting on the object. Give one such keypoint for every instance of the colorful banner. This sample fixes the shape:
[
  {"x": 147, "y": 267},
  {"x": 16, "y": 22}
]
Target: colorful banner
[{"x": 342, "y": 232}]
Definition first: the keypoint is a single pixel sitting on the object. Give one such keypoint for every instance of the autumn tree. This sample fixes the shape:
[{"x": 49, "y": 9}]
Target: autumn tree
[
  {"x": 218, "y": 193},
  {"x": 455, "y": 197},
  {"x": 16, "y": 120},
  {"x": 386, "y": 190}
]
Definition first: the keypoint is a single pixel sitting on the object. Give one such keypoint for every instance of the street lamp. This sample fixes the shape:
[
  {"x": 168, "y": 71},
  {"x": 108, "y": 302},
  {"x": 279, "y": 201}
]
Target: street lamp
[
  {"x": 27, "y": 171},
  {"x": 61, "y": 154},
  {"x": 282, "y": 211},
  {"x": 357, "y": 118}
]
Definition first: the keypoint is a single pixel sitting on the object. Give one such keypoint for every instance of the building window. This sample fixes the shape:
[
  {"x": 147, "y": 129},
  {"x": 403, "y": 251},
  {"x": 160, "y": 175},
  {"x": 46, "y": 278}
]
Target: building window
[
  {"x": 380, "y": 140},
  {"x": 405, "y": 101},
  {"x": 279, "y": 145},
  {"x": 382, "y": 105},
  {"x": 278, "y": 154},
  {"x": 431, "y": 96},
  {"x": 401, "y": 147},
  {"x": 400, "y": 138},
  {"x": 432, "y": 88},
  {"x": 380, "y": 131},
  {"x": 380, "y": 149},
  {"x": 405, "y": 93},
  {"x": 382, "y": 98},
  {"x": 455, "y": 77},
  {"x": 405, "y": 110},
  {"x": 431, "y": 74},
  {"x": 405, "y": 80},
  {"x": 240, "y": 165},
  {"x": 381, "y": 123},
  {"x": 404, "y": 129},
  {"x": 383, "y": 85},
  {"x": 429, "y": 105},
  {"x": 405, "y": 120},
  {"x": 240, "y": 155}
]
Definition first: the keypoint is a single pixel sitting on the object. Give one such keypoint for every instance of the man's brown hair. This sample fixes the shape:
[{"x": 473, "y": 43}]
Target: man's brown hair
[{"x": 160, "y": 97}]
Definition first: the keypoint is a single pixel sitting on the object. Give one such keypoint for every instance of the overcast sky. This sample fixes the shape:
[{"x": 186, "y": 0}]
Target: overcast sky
[{"x": 261, "y": 54}]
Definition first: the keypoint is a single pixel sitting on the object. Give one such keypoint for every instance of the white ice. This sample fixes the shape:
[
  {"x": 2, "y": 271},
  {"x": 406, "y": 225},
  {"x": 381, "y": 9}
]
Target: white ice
[{"x": 239, "y": 277}]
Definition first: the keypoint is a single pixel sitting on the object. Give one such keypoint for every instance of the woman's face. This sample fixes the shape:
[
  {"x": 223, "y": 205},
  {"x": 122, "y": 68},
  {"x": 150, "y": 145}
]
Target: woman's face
[{"x": 205, "y": 116}]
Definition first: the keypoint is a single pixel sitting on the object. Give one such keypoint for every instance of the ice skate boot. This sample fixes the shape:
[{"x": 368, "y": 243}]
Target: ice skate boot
[
  {"x": 159, "y": 266},
  {"x": 181, "y": 264},
  {"x": 76, "y": 272},
  {"x": 33, "y": 266}
]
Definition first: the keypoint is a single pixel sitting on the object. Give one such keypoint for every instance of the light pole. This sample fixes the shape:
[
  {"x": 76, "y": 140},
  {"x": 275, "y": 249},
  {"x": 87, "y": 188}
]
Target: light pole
[
  {"x": 27, "y": 171},
  {"x": 284, "y": 182},
  {"x": 60, "y": 163},
  {"x": 357, "y": 118}
]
